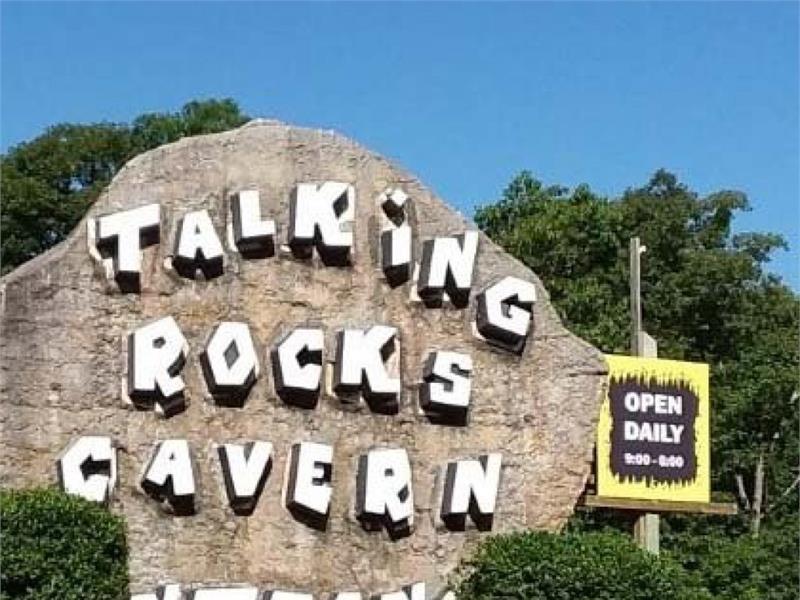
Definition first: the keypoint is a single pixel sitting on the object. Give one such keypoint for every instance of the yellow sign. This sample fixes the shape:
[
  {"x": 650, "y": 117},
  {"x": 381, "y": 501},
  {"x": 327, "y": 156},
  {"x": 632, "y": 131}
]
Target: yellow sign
[{"x": 653, "y": 434}]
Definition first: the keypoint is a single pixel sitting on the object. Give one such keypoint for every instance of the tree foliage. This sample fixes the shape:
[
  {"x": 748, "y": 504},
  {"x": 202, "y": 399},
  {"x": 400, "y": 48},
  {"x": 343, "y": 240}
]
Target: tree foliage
[
  {"x": 49, "y": 182},
  {"x": 60, "y": 547},
  {"x": 734, "y": 565},
  {"x": 707, "y": 296},
  {"x": 585, "y": 566}
]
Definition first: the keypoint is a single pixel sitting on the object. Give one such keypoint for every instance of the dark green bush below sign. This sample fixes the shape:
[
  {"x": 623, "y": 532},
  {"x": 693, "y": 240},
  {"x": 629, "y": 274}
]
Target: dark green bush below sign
[
  {"x": 573, "y": 566},
  {"x": 59, "y": 547}
]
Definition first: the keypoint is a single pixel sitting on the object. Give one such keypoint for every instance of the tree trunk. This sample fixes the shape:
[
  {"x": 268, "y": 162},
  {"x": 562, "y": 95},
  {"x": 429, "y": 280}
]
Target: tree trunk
[
  {"x": 758, "y": 494},
  {"x": 743, "y": 499}
]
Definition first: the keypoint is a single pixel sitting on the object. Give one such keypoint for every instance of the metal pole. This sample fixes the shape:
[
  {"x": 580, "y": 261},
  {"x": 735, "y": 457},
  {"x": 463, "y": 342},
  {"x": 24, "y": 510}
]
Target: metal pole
[{"x": 646, "y": 531}]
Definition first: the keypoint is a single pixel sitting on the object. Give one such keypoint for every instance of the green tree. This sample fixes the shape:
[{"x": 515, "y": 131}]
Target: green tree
[
  {"x": 59, "y": 547},
  {"x": 707, "y": 296},
  {"x": 735, "y": 565},
  {"x": 49, "y": 182}
]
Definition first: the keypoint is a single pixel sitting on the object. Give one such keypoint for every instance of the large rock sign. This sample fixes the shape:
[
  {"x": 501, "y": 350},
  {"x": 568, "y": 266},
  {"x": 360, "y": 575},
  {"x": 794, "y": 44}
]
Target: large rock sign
[{"x": 311, "y": 367}]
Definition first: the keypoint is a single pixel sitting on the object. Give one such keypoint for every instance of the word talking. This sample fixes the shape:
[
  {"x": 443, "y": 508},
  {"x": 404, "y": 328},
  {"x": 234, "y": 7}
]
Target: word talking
[{"x": 321, "y": 220}]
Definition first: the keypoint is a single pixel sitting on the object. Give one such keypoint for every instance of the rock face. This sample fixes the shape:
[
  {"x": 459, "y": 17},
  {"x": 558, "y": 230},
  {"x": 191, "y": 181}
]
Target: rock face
[{"x": 64, "y": 328}]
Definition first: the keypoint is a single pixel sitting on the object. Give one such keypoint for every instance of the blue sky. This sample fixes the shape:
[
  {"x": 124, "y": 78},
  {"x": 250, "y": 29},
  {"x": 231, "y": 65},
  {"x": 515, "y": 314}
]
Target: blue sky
[{"x": 464, "y": 95}]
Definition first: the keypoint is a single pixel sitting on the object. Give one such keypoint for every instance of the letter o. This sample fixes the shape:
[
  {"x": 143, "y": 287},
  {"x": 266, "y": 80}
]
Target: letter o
[{"x": 632, "y": 402}]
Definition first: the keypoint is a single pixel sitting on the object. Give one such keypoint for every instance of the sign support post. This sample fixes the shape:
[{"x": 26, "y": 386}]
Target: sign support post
[{"x": 647, "y": 529}]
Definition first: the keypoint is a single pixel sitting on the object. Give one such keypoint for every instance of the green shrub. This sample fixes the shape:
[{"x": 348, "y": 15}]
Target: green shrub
[
  {"x": 572, "y": 566},
  {"x": 59, "y": 547}
]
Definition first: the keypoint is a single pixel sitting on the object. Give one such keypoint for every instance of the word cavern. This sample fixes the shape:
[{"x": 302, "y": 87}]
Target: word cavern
[{"x": 356, "y": 365}]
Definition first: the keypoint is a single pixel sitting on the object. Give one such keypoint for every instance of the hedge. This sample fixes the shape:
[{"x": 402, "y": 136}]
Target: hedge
[
  {"x": 571, "y": 566},
  {"x": 59, "y": 547}
]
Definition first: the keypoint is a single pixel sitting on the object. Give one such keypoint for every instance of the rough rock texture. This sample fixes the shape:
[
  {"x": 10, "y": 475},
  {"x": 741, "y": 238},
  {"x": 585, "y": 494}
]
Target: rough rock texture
[{"x": 63, "y": 360}]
